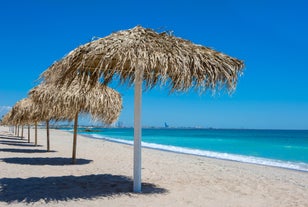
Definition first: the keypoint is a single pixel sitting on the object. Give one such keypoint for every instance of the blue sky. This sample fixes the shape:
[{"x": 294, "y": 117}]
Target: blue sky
[{"x": 270, "y": 36}]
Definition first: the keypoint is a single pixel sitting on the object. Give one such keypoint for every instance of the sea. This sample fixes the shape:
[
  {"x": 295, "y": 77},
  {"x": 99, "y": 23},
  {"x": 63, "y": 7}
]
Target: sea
[{"x": 277, "y": 148}]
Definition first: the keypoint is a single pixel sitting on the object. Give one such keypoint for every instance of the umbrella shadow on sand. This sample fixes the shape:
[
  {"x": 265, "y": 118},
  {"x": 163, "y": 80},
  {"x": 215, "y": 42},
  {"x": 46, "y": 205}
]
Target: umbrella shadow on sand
[
  {"x": 13, "y": 142},
  {"x": 44, "y": 161},
  {"x": 24, "y": 150},
  {"x": 67, "y": 188},
  {"x": 18, "y": 143},
  {"x": 11, "y": 137}
]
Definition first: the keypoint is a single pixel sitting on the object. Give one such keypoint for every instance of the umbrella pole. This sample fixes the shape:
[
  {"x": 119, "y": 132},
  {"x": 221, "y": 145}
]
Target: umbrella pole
[
  {"x": 47, "y": 131},
  {"x": 18, "y": 131},
  {"x": 75, "y": 139},
  {"x": 22, "y": 131},
  {"x": 28, "y": 133},
  {"x": 137, "y": 132},
  {"x": 35, "y": 134}
]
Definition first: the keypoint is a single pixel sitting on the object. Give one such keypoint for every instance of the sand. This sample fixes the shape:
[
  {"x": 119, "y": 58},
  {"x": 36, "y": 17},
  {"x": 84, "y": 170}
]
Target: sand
[{"x": 103, "y": 177}]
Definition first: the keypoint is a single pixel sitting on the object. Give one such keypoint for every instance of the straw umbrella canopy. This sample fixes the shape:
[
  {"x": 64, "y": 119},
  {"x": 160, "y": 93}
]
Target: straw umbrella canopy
[
  {"x": 6, "y": 119},
  {"x": 142, "y": 55},
  {"x": 159, "y": 56},
  {"x": 26, "y": 111},
  {"x": 21, "y": 113},
  {"x": 102, "y": 102}
]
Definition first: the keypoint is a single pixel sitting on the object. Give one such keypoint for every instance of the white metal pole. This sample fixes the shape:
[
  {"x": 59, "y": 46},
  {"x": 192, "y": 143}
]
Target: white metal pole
[
  {"x": 35, "y": 134},
  {"x": 28, "y": 133},
  {"x": 137, "y": 131}
]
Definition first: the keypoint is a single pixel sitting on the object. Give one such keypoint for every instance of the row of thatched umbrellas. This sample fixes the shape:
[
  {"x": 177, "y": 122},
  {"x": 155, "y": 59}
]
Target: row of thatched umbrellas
[
  {"x": 136, "y": 56},
  {"x": 47, "y": 101}
]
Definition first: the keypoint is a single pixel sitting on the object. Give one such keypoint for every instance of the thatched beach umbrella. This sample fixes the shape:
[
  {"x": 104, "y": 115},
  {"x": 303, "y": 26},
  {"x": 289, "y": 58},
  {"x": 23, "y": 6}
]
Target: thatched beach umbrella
[
  {"x": 6, "y": 120},
  {"x": 25, "y": 112},
  {"x": 102, "y": 102},
  {"x": 142, "y": 55},
  {"x": 15, "y": 116}
]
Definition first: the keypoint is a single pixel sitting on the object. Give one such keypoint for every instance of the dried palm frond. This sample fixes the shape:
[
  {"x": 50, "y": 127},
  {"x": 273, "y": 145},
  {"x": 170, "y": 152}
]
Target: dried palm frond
[
  {"x": 160, "y": 56},
  {"x": 7, "y": 118},
  {"x": 102, "y": 102},
  {"x": 26, "y": 111}
]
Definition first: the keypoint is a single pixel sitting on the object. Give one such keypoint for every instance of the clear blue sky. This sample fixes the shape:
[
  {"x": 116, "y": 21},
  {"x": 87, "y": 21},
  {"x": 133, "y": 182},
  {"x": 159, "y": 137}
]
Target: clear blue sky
[{"x": 270, "y": 36}]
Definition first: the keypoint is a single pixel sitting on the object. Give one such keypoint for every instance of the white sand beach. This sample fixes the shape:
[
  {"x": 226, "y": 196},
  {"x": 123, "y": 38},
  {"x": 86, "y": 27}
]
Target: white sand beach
[{"x": 103, "y": 177}]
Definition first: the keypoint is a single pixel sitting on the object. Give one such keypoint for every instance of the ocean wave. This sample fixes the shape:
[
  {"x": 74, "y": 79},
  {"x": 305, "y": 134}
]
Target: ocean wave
[{"x": 225, "y": 156}]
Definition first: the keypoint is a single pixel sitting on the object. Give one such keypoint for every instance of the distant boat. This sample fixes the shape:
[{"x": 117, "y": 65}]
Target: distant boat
[{"x": 166, "y": 125}]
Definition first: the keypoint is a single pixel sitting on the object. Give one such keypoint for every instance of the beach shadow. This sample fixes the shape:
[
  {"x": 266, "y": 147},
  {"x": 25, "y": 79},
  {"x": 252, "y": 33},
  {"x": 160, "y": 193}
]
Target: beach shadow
[
  {"x": 66, "y": 188},
  {"x": 19, "y": 143},
  {"x": 44, "y": 161},
  {"x": 24, "y": 150},
  {"x": 11, "y": 137},
  {"x": 13, "y": 141}
]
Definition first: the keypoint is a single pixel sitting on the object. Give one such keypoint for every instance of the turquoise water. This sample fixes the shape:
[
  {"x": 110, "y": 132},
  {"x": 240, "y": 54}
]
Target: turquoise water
[{"x": 280, "y": 148}]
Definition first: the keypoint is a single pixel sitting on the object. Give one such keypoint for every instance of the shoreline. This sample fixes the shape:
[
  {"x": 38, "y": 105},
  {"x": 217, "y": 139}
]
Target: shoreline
[
  {"x": 104, "y": 174},
  {"x": 288, "y": 165},
  {"x": 189, "y": 128}
]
